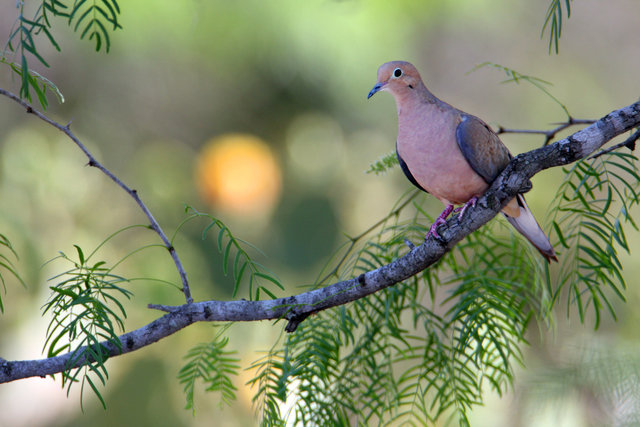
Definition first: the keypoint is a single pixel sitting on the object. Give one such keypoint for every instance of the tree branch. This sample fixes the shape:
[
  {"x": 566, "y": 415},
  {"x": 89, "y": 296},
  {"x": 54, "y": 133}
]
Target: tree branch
[
  {"x": 548, "y": 134},
  {"x": 133, "y": 193},
  {"x": 296, "y": 308}
]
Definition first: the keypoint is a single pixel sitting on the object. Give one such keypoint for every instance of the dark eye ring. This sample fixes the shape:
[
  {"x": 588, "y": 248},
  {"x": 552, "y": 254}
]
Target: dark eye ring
[{"x": 397, "y": 73}]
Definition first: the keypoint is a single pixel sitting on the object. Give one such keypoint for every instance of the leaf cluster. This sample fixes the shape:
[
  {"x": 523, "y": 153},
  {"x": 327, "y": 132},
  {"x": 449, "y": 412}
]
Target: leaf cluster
[
  {"x": 236, "y": 259},
  {"x": 592, "y": 209},
  {"x": 385, "y": 163},
  {"x": 408, "y": 354},
  {"x": 82, "y": 318},
  {"x": 427, "y": 348},
  {"x": 94, "y": 19},
  {"x": 212, "y": 364}
]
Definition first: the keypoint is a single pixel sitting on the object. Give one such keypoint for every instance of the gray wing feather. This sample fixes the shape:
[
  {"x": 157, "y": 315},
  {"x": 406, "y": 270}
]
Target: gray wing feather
[{"x": 482, "y": 148}]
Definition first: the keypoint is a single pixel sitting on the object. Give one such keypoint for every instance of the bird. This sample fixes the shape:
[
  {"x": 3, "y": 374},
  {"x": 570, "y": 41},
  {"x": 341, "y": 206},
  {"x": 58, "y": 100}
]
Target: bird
[{"x": 450, "y": 154}]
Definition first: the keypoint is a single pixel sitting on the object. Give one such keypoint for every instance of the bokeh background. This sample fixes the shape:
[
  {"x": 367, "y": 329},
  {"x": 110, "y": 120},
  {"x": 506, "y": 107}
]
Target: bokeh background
[{"x": 256, "y": 112}]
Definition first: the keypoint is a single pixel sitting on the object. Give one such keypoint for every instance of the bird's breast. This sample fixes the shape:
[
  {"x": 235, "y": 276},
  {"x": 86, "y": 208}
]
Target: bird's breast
[{"x": 427, "y": 143}]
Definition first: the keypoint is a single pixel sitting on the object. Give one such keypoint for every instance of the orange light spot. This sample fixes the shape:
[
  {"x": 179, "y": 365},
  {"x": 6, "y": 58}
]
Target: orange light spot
[{"x": 239, "y": 173}]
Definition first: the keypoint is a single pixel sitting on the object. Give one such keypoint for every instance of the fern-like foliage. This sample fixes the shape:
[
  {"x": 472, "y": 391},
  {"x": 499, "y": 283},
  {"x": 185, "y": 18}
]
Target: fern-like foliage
[
  {"x": 236, "y": 259},
  {"x": 21, "y": 42},
  {"x": 82, "y": 317},
  {"x": 426, "y": 349},
  {"x": 411, "y": 354},
  {"x": 94, "y": 19},
  {"x": 385, "y": 163},
  {"x": 91, "y": 18},
  {"x": 553, "y": 21},
  {"x": 270, "y": 381},
  {"x": 591, "y": 211},
  {"x": 212, "y": 364},
  {"x": 7, "y": 264}
]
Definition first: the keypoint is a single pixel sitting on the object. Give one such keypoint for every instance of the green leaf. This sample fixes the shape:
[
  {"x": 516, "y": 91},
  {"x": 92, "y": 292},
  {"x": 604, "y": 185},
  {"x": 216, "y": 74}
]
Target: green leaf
[{"x": 270, "y": 279}]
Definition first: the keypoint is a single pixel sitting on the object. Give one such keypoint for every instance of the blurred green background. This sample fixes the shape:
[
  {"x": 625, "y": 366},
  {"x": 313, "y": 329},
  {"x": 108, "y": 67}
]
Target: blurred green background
[{"x": 289, "y": 80}]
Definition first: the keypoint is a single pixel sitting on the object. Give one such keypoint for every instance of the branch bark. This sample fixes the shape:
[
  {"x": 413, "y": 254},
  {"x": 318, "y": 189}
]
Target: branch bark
[{"x": 514, "y": 179}]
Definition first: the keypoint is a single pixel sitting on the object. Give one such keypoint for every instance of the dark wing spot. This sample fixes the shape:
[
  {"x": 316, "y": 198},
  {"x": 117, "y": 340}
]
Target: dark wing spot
[{"x": 407, "y": 172}]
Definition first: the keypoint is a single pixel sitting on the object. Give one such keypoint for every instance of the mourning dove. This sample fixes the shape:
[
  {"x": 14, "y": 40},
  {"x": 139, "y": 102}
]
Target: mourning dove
[{"x": 450, "y": 154}]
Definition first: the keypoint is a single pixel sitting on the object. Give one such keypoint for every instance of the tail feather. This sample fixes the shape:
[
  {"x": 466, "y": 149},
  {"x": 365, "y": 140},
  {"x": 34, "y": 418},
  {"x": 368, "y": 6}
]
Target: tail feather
[{"x": 527, "y": 225}]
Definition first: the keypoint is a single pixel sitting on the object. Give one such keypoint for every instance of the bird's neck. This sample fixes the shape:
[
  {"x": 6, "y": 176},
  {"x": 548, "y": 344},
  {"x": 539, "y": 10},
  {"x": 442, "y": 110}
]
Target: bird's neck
[{"x": 417, "y": 100}]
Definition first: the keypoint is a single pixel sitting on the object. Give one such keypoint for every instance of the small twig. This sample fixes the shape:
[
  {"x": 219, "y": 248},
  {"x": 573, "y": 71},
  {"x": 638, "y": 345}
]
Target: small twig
[
  {"x": 133, "y": 193},
  {"x": 409, "y": 244},
  {"x": 161, "y": 307},
  {"x": 551, "y": 133},
  {"x": 630, "y": 143}
]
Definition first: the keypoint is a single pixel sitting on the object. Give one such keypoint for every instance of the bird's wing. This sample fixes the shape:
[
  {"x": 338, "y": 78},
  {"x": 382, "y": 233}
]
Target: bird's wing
[
  {"x": 407, "y": 172},
  {"x": 482, "y": 148}
]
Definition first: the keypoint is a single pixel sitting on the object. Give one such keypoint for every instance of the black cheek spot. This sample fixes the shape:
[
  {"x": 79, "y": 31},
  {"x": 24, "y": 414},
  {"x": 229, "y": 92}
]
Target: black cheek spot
[{"x": 410, "y": 86}]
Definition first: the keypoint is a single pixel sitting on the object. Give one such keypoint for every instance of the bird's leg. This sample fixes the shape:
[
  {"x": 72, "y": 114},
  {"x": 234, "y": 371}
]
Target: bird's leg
[
  {"x": 439, "y": 221},
  {"x": 471, "y": 202}
]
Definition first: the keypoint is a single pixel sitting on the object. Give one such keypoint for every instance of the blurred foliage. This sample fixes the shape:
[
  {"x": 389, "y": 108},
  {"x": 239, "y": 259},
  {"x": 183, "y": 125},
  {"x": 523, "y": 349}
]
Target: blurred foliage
[
  {"x": 553, "y": 22},
  {"x": 213, "y": 365},
  {"x": 599, "y": 379},
  {"x": 516, "y": 77},
  {"x": 7, "y": 264}
]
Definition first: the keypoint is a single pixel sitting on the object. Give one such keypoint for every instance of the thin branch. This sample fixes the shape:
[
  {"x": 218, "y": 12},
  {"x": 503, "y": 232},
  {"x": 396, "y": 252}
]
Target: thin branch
[
  {"x": 551, "y": 133},
  {"x": 133, "y": 193},
  {"x": 630, "y": 143},
  {"x": 296, "y": 308}
]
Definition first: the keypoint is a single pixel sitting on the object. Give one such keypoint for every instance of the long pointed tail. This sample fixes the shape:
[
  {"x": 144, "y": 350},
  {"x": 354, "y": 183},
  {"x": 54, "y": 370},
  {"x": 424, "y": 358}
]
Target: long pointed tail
[{"x": 527, "y": 225}]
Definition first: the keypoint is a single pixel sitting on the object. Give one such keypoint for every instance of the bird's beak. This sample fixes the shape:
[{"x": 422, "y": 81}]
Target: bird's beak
[{"x": 378, "y": 87}]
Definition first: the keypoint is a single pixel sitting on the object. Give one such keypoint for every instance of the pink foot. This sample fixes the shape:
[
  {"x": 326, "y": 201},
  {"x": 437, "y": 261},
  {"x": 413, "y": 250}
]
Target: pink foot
[
  {"x": 471, "y": 203},
  {"x": 439, "y": 221}
]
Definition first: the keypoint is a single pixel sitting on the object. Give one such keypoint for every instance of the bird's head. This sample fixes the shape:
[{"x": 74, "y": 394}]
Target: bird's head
[{"x": 397, "y": 77}]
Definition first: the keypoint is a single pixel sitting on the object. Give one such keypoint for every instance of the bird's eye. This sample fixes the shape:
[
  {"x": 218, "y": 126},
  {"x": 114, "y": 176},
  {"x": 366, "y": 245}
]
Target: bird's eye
[{"x": 397, "y": 73}]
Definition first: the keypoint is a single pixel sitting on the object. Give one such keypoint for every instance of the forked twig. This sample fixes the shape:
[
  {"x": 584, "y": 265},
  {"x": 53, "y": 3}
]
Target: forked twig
[
  {"x": 630, "y": 143},
  {"x": 551, "y": 133}
]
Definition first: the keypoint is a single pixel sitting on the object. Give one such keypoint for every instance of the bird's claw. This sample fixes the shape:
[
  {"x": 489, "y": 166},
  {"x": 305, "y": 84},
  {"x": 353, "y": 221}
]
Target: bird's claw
[
  {"x": 471, "y": 203},
  {"x": 442, "y": 219},
  {"x": 433, "y": 229}
]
